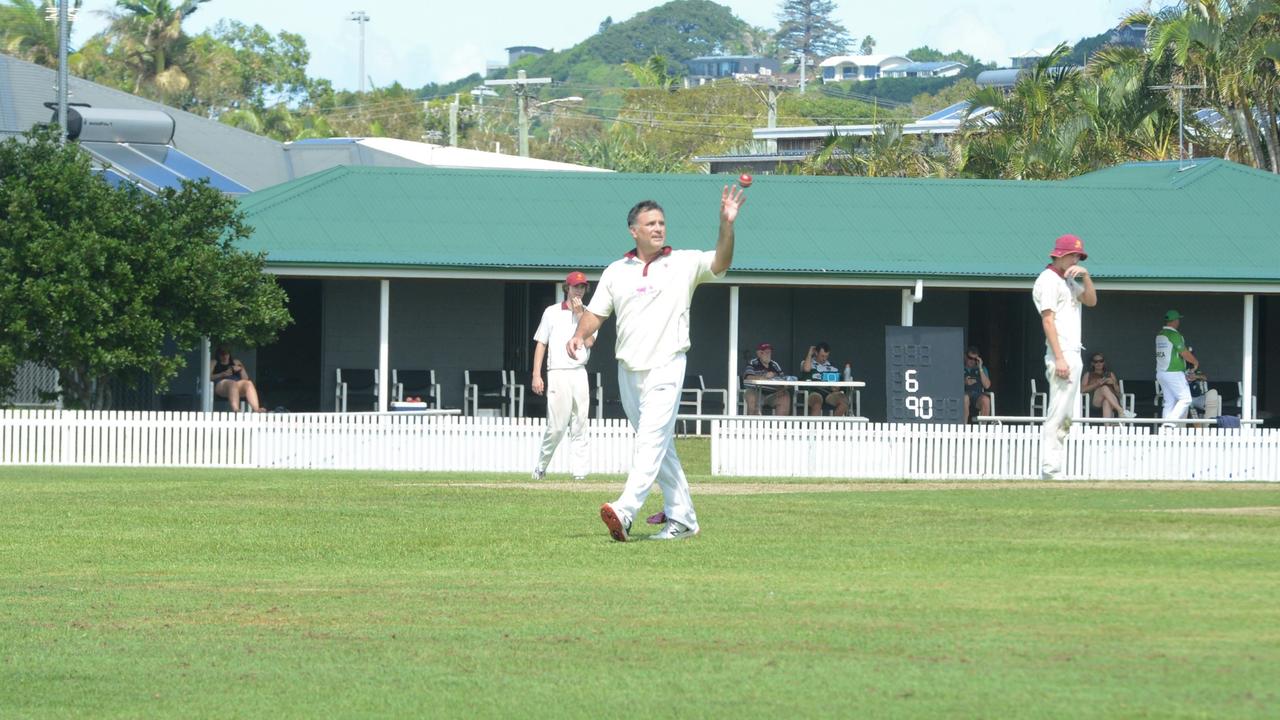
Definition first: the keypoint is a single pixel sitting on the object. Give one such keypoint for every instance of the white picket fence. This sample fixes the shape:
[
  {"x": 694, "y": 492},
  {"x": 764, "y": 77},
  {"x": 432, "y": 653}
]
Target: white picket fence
[
  {"x": 744, "y": 447},
  {"x": 351, "y": 441},
  {"x": 813, "y": 448}
]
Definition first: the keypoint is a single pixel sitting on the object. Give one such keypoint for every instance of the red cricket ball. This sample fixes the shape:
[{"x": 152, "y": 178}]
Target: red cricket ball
[{"x": 744, "y": 180}]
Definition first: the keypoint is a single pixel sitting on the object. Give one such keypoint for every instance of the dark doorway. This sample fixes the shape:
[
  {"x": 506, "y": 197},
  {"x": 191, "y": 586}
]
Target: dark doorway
[
  {"x": 289, "y": 368},
  {"x": 1004, "y": 327},
  {"x": 525, "y": 302}
]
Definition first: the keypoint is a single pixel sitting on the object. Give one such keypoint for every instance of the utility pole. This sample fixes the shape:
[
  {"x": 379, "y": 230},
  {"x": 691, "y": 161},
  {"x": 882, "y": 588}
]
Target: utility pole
[
  {"x": 521, "y": 84},
  {"x": 453, "y": 121},
  {"x": 1178, "y": 88},
  {"x": 64, "y": 36},
  {"x": 360, "y": 17},
  {"x": 803, "y": 59}
]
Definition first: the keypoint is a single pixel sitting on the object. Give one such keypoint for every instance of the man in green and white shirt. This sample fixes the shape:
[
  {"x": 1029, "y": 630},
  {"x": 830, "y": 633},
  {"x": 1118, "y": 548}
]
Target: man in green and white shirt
[{"x": 1172, "y": 360}]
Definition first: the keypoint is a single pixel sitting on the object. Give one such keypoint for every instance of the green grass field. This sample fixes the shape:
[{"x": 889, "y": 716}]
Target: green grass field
[{"x": 204, "y": 593}]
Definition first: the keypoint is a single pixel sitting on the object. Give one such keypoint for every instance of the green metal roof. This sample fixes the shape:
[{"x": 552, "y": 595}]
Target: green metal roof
[{"x": 1215, "y": 222}]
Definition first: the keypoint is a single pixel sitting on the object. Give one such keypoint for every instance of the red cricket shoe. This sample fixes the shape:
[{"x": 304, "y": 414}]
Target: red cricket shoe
[{"x": 617, "y": 528}]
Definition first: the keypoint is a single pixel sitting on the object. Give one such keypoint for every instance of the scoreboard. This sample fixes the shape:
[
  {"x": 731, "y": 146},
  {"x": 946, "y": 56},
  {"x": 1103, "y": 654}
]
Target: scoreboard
[{"x": 924, "y": 374}]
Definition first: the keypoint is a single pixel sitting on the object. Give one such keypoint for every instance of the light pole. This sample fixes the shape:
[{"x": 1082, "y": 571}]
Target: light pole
[
  {"x": 360, "y": 17},
  {"x": 480, "y": 92},
  {"x": 63, "y": 17},
  {"x": 521, "y": 84}
]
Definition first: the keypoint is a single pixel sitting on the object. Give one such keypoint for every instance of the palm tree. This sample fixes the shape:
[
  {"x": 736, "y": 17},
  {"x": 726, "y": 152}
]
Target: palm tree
[
  {"x": 654, "y": 73},
  {"x": 25, "y": 31},
  {"x": 150, "y": 33},
  {"x": 1232, "y": 48},
  {"x": 885, "y": 153},
  {"x": 1036, "y": 131},
  {"x": 1131, "y": 120}
]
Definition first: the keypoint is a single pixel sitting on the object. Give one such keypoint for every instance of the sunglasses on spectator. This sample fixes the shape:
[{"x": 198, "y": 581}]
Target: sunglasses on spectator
[{"x": 1098, "y": 360}]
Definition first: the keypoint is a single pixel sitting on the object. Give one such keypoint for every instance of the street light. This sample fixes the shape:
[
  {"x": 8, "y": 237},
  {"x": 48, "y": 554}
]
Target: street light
[
  {"x": 480, "y": 92},
  {"x": 360, "y": 17}
]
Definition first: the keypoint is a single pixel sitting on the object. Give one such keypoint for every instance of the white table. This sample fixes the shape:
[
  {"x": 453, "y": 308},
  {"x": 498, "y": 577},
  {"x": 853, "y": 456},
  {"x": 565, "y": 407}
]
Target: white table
[{"x": 842, "y": 385}]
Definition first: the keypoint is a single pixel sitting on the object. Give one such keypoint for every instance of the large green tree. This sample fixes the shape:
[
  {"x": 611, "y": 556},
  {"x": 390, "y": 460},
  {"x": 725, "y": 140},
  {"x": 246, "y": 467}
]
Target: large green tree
[
  {"x": 807, "y": 27},
  {"x": 99, "y": 281}
]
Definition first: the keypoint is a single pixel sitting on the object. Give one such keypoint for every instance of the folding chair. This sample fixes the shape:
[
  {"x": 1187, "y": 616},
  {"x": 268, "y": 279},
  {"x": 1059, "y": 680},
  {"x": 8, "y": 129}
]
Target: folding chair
[
  {"x": 691, "y": 400},
  {"x": 485, "y": 389},
  {"x": 355, "y": 386},
  {"x": 416, "y": 383},
  {"x": 515, "y": 394},
  {"x": 595, "y": 388},
  {"x": 1039, "y": 401}
]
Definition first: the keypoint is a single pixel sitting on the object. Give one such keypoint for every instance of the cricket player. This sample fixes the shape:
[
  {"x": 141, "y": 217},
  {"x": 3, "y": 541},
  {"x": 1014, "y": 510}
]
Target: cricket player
[
  {"x": 1063, "y": 286},
  {"x": 568, "y": 397},
  {"x": 650, "y": 290}
]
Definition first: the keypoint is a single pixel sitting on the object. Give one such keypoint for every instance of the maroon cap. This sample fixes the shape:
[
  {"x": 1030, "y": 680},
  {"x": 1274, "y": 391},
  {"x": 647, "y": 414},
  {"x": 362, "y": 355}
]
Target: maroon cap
[
  {"x": 575, "y": 278},
  {"x": 1067, "y": 245},
  {"x": 764, "y": 346}
]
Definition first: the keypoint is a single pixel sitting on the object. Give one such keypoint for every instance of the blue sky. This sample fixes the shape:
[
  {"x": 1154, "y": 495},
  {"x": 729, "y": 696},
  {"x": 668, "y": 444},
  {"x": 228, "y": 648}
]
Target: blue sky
[{"x": 421, "y": 42}]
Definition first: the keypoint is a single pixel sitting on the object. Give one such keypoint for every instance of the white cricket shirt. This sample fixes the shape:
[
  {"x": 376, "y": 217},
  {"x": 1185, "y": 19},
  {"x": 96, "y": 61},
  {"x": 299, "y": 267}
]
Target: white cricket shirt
[
  {"x": 652, "y": 304},
  {"x": 1056, "y": 293},
  {"x": 555, "y": 330}
]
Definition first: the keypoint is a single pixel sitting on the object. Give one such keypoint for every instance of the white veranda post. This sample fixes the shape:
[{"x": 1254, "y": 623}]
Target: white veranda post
[
  {"x": 384, "y": 343},
  {"x": 731, "y": 404}
]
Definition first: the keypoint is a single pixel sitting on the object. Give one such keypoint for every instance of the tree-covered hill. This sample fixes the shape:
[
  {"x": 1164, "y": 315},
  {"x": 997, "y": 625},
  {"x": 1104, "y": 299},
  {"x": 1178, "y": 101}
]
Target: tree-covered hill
[{"x": 679, "y": 30}]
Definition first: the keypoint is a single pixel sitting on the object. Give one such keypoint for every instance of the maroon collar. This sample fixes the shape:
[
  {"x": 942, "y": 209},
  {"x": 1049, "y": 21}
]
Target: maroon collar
[
  {"x": 1055, "y": 270},
  {"x": 633, "y": 255}
]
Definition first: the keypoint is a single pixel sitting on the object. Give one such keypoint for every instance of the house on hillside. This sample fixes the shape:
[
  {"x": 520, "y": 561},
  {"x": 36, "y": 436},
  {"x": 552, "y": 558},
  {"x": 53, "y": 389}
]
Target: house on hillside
[
  {"x": 1134, "y": 36},
  {"x": 1029, "y": 58},
  {"x": 940, "y": 69},
  {"x": 515, "y": 52},
  {"x": 858, "y": 67},
  {"x": 721, "y": 66}
]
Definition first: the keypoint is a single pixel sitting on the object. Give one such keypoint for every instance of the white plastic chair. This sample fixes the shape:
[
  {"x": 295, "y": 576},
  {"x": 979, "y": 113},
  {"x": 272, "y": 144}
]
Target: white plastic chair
[{"x": 1039, "y": 401}]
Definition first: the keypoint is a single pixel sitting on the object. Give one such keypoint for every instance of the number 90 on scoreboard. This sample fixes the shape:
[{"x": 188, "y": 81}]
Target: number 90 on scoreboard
[{"x": 924, "y": 369}]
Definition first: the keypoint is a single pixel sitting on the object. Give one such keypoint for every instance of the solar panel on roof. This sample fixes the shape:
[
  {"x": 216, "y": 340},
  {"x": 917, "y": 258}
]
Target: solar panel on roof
[
  {"x": 116, "y": 180},
  {"x": 190, "y": 168},
  {"x": 123, "y": 159},
  {"x": 951, "y": 112},
  {"x": 160, "y": 166}
]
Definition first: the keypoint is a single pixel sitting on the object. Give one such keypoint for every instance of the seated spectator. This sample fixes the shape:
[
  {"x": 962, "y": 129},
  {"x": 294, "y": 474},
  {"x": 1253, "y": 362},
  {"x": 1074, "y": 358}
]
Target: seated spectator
[
  {"x": 231, "y": 381},
  {"x": 817, "y": 362},
  {"x": 977, "y": 381},
  {"x": 1199, "y": 384},
  {"x": 1103, "y": 389},
  {"x": 763, "y": 367}
]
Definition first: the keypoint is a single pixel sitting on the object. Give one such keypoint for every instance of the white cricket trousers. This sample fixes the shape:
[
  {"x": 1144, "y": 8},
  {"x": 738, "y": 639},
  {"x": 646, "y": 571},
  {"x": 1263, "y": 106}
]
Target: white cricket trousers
[
  {"x": 1177, "y": 394},
  {"x": 568, "y": 404},
  {"x": 1064, "y": 404},
  {"x": 650, "y": 399}
]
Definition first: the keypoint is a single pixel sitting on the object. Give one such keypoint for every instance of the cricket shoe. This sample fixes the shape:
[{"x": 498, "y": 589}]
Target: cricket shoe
[
  {"x": 538, "y": 474},
  {"x": 674, "y": 531},
  {"x": 617, "y": 527}
]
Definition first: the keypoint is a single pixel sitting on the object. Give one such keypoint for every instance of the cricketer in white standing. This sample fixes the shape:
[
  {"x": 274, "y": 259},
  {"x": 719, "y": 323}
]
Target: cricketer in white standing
[{"x": 650, "y": 289}]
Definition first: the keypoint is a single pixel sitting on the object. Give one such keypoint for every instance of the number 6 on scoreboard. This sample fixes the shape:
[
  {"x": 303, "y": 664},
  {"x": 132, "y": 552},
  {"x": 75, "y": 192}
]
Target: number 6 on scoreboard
[{"x": 910, "y": 384}]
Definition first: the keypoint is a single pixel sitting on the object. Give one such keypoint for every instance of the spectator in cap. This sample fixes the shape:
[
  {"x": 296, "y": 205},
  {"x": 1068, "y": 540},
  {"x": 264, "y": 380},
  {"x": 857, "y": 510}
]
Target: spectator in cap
[
  {"x": 1059, "y": 292},
  {"x": 764, "y": 367},
  {"x": 1173, "y": 359},
  {"x": 568, "y": 396}
]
